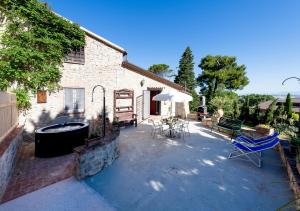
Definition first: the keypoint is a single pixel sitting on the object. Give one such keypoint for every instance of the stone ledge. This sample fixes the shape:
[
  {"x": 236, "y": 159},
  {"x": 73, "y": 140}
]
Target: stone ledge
[
  {"x": 5, "y": 143},
  {"x": 9, "y": 149},
  {"x": 292, "y": 177}
]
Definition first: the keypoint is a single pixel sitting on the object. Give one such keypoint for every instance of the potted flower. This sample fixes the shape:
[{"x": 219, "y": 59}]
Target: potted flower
[{"x": 264, "y": 130}]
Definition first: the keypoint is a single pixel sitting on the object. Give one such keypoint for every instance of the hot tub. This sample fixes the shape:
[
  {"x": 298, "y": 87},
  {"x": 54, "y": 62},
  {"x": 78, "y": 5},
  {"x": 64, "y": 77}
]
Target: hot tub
[{"x": 60, "y": 139}]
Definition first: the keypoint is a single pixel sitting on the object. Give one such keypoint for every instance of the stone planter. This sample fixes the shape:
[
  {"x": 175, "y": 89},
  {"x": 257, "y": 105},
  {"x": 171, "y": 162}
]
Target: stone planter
[
  {"x": 264, "y": 131},
  {"x": 97, "y": 154}
]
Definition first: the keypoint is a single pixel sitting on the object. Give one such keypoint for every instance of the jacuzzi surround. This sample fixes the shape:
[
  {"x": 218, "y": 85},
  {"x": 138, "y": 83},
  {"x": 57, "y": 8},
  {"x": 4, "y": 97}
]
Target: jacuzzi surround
[{"x": 60, "y": 139}]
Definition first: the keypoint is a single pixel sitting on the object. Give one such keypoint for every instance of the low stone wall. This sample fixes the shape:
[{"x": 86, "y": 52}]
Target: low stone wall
[
  {"x": 8, "y": 153},
  {"x": 96, "y": 155},
  {"x": 292, "y": 177}
]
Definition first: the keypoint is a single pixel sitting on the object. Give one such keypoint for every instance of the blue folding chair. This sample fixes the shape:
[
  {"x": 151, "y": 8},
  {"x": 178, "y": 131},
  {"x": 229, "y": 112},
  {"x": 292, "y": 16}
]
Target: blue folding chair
[
  {"x": 245, "y": 150},
  {"x": 257, "y": 141}
]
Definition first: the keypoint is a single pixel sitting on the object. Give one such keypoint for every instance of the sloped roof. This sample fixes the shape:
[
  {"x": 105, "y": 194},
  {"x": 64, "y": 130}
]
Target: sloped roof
[
  {"x": 296, "y": 101},
  {"x": 153, "y": 76}
]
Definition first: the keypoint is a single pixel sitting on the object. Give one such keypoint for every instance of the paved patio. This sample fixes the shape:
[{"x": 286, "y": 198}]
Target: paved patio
[
  {"x": 32, "y": 173},
  {"x": 165, "y": 174}
]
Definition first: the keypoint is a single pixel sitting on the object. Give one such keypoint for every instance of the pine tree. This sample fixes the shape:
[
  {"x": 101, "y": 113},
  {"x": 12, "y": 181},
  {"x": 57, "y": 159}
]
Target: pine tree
[
  {"x": 236, "y": 110},
  {"x": 186, "y": 76},
  {"x": 245, "y": 111},
  {"x": 288, "y": 105},
  {"x": 279, "y": 112},
  {"x": 256, "y": 115},
  {"x": 269, "y": 116}
]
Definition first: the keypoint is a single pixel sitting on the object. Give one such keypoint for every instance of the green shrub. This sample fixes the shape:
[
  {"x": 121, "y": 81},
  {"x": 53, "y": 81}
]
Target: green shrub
[
  {"x": 295, "y": 117},
  {"x": 23, "y": 99}
]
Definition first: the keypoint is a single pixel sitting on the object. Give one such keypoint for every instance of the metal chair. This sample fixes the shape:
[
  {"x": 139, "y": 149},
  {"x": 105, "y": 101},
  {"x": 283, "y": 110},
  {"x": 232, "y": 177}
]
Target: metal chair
[{"x": 156, "y": 128}]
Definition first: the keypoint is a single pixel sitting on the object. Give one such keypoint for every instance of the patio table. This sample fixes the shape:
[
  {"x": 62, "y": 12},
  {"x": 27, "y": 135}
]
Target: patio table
[{"x": 170, "y": 122}]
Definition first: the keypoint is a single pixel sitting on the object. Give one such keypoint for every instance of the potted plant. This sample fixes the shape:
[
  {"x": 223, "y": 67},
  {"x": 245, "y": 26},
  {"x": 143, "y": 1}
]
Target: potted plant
[
  {"x": 264, "y": 130},
  {"x": 115, "y": 122}
]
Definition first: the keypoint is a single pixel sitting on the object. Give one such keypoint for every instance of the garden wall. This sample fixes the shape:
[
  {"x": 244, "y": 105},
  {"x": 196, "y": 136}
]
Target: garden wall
[
  {"x": 8, "y": 156},
  {"x": 96, "y": 155}
]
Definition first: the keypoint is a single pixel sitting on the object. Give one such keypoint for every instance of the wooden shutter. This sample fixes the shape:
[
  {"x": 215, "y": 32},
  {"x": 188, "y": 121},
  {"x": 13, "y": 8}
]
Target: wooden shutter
[
  {"x": 68, "y": 100},
  {"x": 146, "y": 104},
  {"x": 77, "y": 56},
  {"x": 80, "y": 100},
  {"x": 41, "y": 97}
]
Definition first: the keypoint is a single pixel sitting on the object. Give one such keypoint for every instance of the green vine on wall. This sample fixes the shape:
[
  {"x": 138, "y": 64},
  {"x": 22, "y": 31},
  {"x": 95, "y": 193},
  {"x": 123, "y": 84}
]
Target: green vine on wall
[{"x": 33, "y": 46}]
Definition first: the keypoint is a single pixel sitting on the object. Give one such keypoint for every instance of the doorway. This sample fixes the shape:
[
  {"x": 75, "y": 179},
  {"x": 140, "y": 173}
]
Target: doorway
[{"x": 155, "y": 106}]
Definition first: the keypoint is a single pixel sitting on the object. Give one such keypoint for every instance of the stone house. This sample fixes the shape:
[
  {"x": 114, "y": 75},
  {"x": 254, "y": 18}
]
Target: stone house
[{"x": 104, "y": 63}]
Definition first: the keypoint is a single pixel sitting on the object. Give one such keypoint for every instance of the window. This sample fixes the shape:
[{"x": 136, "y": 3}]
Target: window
[
  {"x": 41, "y": 97},
  {"x": 76, "y": 56},
  {"x": 74, "y": 100}
]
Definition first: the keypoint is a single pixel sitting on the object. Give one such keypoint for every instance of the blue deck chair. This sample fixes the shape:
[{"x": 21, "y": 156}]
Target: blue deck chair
[
  {"x": 244, "y": 150},
  {"x": 257, "y": 141}
]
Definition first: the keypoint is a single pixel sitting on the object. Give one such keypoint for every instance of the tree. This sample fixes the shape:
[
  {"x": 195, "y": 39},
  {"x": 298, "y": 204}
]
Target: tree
[
  {"x": 245, "y": 110},
  {"x": 288, "y": 105},
  {"x": 225, "y": 101},
  {"x": 256, "y": 115},
  {"x": 255, "y": 99},
  {"x": 236, "y": 110},
  {"x": 186, "y": 76},
  {"x": 160, "y": 69},
  {"x": 34, "y": 45},
  {"x": 221, "y": 72},
  {"x": 279, "y": 112},
  {"x": 269, "y": 116}
]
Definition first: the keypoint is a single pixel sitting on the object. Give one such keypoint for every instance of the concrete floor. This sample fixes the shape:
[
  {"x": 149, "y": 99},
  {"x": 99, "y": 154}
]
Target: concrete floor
[
  {"x": 164, "y": 174},
  {"x": 67, "y": 195}
]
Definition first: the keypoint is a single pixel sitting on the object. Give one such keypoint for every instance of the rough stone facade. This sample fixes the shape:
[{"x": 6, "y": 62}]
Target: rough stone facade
[
  {"x": 103, "y": 65},
  {"x": 8, "y": 158},
  {"x": 93, "y": 158}
]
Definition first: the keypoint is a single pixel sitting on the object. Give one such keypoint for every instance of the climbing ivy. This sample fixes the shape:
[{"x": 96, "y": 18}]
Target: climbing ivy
[{"x": 33, "y": 45}]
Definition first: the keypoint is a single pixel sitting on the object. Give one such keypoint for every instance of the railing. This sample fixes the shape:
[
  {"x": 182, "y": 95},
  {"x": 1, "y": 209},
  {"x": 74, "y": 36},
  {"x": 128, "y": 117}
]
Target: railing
[{"x": 8, "y": 114}]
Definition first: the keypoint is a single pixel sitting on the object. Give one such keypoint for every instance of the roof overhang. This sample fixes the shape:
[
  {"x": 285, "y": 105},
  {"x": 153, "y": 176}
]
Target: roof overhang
[{"x": 148, "y": 74}]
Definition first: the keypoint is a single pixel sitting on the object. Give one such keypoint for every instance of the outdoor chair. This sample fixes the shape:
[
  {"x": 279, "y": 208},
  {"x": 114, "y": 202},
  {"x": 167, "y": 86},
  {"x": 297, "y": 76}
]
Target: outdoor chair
[
  {"x": 258, "y": 141},
  {"x": 245, "y": 150},
  {"x": 157, "y": 128},
  {"x": 186, "y": 129}
]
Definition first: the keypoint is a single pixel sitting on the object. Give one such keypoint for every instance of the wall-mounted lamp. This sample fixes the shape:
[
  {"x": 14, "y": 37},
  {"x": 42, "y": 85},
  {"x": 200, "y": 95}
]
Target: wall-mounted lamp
[{"x": 142, "y": 82}]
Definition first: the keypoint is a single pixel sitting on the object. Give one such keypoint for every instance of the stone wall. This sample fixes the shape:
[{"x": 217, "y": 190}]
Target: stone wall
[
  {"x": 294, "y": 185},
  {"x": 100, "y": 67},
  {"x": 97, "y": 155},
  {"x": 8, "y": 154},
  {"x": 103, "y": 65}
]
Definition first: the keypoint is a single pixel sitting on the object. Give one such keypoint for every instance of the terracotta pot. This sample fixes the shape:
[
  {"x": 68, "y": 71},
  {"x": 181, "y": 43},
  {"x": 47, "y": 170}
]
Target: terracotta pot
[{"x": 264, "y": 131}]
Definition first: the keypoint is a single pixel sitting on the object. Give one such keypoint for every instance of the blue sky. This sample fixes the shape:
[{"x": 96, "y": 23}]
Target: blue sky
[{"x": 263, "y": 34}]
